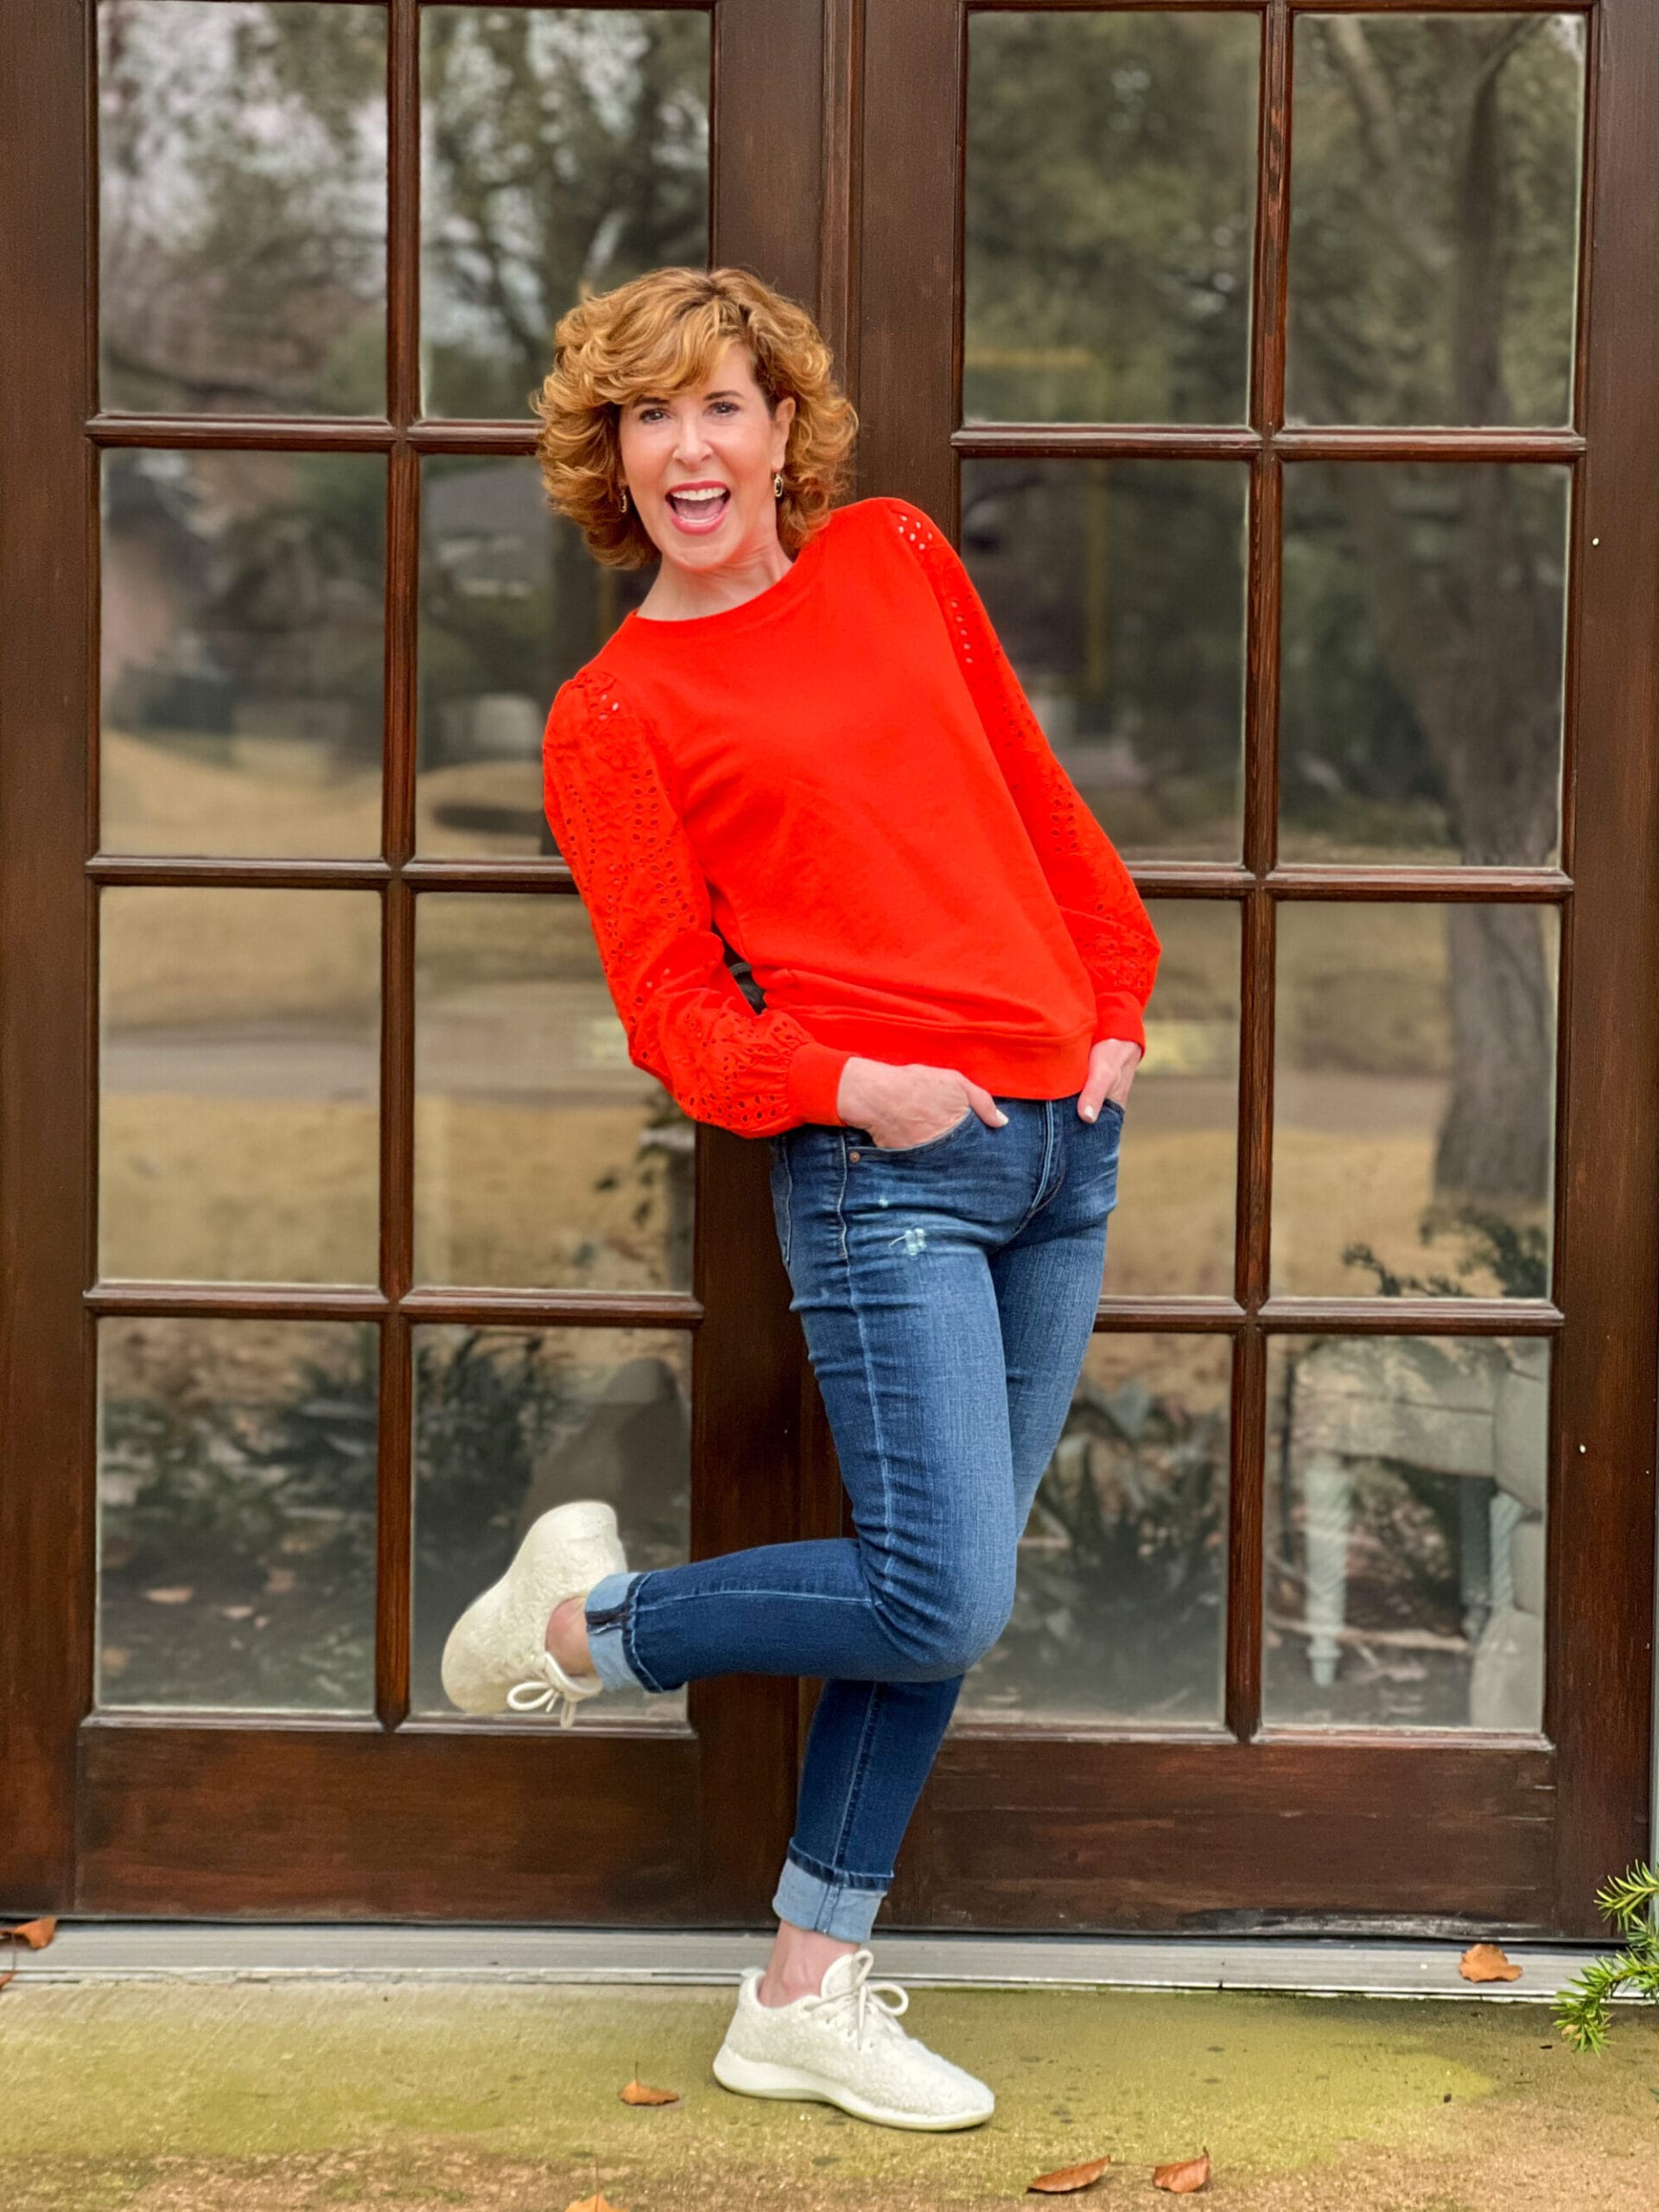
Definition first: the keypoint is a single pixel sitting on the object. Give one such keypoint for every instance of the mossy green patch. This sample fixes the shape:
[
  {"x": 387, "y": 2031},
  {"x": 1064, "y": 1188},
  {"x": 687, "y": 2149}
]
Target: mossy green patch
[{"x": 417, "y": 2093}]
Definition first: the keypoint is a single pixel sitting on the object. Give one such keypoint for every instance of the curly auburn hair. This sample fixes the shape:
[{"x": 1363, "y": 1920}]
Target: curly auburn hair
[{"x": 663, "y": 332}]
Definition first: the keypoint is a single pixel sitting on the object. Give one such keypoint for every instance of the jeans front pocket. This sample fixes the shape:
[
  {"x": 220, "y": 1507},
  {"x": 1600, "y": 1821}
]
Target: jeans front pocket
[{"x": 870, "y": 1149}]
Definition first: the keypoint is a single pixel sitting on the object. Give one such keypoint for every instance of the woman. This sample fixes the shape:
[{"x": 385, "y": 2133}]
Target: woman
[{"x": 806, "y": 749}]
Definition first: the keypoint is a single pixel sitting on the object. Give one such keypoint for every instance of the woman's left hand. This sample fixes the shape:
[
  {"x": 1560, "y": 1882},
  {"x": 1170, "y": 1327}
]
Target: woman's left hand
[{"x": 1112, "y": 1063}]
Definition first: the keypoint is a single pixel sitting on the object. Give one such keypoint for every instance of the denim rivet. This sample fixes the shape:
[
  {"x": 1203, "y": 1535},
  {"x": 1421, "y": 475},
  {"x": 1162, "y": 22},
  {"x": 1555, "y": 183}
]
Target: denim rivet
[{"x": 855, "y": 1155}]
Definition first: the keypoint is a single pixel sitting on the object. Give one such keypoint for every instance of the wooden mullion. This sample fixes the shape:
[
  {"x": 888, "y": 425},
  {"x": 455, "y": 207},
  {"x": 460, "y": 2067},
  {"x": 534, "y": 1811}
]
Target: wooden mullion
[
  {"x": 1427, "y": 441},
  {"x": 1411, "y": 1317},
  {"x": 481, "y": 1307},
  {"x": 1253, "y": 1164}
]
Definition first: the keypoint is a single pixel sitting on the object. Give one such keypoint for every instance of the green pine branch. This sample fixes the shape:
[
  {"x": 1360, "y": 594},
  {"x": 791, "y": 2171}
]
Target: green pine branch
[{"x": 1630, "y": 1902}]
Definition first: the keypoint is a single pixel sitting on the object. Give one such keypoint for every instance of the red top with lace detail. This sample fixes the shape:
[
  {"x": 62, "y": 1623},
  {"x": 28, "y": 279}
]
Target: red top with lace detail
[{"x": 842, "y": 780}]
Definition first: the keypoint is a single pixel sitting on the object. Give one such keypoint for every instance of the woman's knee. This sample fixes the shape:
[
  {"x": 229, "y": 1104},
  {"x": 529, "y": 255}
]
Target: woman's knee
[{"x": 949, "y": 1628}]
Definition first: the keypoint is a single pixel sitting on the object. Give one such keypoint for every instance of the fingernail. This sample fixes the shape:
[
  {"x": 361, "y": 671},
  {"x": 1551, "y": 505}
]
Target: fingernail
[
  {"x": 1089, "y": 1113},
  {"x": 1000, "y": 1117}
]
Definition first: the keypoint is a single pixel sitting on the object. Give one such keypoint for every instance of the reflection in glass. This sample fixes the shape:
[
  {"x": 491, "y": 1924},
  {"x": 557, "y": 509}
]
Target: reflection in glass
[
  {"x": 1435, "y": 218},
  {"x": 543, "y": 1156},
  {"x": 1118, "y": 590},
  {"x": 1404, "y": 1531},
  {"x": 236, "y": 1513},
  {"x": 1110, "y": 215},
  {"x": 1424, "y": 624},
  {"x": 1413, "y": 1097},
  {"x": 1172, "y": 1233},
  {"x": 512, "y": 603},
  {"x": 240, "y": 1084},
  {"x": 564, "y": 149},
  {"x": 1121, "y": 1604},
  {"x": 242, "y": 209},
  {"x": 242, "y": 620},
  {"x": 510, "y": 1423},
  {"x": 1423, "y": 651}
]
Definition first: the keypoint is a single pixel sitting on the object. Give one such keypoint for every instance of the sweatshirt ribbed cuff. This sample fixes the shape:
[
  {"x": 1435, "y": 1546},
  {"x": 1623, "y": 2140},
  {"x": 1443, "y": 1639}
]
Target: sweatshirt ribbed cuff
[
  {"x": 813, "y": 1081},
  {"x": 1117, "y": 1014}
]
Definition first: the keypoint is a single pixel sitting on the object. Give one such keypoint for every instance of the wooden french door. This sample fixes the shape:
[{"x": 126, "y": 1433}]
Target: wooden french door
[
  {"x": 341, "y": 1237},
  {"x": 1282, "y": 369},
  {"x": 1283, "y": 373}
]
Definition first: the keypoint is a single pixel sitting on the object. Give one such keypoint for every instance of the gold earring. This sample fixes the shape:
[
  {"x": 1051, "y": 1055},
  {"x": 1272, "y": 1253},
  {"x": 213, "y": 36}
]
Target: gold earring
[
  {"x": 778, "y": 484},
  {"x": 625, "y": 498}
]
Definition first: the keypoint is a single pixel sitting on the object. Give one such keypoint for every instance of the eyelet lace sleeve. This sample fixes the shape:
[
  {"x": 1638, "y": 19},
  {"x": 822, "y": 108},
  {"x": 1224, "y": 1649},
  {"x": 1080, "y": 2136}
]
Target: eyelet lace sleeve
[
  {"x": 687, "y": 1021},
  {"x": 1093, "y": 889}
]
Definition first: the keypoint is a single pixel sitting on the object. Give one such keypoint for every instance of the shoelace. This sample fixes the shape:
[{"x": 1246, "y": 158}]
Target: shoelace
[
  {"x": 553, "y": 1687},
  {"x": 865, "y": 2002}
]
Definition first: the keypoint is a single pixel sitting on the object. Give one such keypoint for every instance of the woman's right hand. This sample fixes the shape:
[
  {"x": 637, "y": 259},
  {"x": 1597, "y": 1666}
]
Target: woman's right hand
[{"x": 910, "y": 1105}]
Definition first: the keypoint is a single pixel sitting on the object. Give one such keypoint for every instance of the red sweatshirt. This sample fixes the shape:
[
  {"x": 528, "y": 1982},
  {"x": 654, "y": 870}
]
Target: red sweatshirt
[{"x": 843, "y": 780}]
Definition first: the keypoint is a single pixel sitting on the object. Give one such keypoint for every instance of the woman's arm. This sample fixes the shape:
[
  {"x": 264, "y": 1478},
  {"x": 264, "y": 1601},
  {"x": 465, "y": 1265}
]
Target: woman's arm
[
  {"x": 1094, "y": 890},
  {"x": 687, "y": 1021}
]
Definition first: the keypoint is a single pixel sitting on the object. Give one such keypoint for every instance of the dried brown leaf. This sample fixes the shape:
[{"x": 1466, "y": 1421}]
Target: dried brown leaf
[
  {"x": 176, "y": 1593},
  {"x": 1486, "y": 1963},
  {"x": 641, "y": 2093},
  {"x": 1063, "y": 2182},
  {"x": 1183, "y": 2177},
  {"x": 37, "y": 1934}
]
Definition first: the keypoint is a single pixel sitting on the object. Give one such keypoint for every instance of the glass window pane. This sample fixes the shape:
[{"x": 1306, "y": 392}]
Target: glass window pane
[
  {"x": 512, "y": 603},
  {"x": 242, "y": 207},
  {"x": 242, "y": 610},
  {"x": 1120, "y": 1609},
  {"x": 510, "y": 1423},
  {"x": 1172, "y": 1233},
  {"x": 240, "y": 1084},
  {"x": 1423, "y": 648},
  {"x": 1435, "y": 218},
  {"x": 236, "y": 1513},
  {"x": 543, "y": 1156},
  {"x": 1404, "y": 1531},
  {"x": 1118, "y": 590},
  {"x": 1414, "y": 1100},
  {"x": 564, "y": 148},
  {"x": 1109, "y": 216}
]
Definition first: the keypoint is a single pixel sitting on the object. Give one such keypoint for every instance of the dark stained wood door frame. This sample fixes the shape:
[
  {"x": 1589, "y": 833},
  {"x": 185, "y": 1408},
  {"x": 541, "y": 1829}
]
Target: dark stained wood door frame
[{"x": 1246, "y": 1824}]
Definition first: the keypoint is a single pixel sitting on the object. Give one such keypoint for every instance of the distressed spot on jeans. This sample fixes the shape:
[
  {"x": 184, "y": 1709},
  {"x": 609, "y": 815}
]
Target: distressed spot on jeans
[{"x": 912, "y": 1239}]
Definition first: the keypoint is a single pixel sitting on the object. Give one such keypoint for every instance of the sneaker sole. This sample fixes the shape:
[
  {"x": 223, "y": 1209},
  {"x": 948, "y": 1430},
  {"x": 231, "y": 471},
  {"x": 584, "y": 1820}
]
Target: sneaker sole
[{"x": 754, "y": 2077}]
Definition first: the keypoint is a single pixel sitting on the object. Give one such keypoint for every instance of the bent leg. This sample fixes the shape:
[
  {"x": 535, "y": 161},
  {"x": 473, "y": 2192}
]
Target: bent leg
[{"x": 894, "y": 1292}]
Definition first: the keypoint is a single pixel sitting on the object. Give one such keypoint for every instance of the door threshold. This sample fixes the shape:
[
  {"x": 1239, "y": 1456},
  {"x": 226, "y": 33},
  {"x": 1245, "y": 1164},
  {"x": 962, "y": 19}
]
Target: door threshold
[{"x": 252, "y": 1951}]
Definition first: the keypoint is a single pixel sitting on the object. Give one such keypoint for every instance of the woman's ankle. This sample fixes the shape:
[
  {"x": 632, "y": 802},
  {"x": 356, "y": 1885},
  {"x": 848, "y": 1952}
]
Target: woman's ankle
[
  {"x": 567, "y": 1636},
  {"x": 800, "y": 1959}
]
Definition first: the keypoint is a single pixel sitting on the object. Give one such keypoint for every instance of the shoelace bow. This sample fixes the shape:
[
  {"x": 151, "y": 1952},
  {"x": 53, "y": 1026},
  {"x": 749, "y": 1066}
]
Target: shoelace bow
[
  {"x": 552, "y": 1687},
  {"x": 865, "y": 2000}
]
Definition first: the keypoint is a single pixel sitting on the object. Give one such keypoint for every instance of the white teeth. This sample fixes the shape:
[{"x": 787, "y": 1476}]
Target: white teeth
[{"x": 698, "y": 499}]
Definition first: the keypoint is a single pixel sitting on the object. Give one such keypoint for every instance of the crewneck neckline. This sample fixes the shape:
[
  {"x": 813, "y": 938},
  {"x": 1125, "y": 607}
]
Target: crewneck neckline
[{"x": 764, "y": 604}]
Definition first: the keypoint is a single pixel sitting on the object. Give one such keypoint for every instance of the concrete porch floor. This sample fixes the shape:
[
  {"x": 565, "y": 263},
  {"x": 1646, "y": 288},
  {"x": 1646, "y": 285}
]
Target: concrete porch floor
[{"x": 285, "y": 2093}]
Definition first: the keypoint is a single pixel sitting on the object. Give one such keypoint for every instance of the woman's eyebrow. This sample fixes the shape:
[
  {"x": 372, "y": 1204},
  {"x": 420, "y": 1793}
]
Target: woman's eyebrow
[{"x": 656, "y": 398}]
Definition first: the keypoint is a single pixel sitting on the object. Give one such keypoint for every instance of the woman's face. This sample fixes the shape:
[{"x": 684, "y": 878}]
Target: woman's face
[{"x": 719, "y": 440}]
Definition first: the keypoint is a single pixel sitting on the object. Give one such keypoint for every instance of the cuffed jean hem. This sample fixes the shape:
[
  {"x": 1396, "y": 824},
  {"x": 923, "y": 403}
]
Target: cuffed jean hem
[
  {"x": 609, "y": 1616},
  {"x": 838, "y": 1905}
]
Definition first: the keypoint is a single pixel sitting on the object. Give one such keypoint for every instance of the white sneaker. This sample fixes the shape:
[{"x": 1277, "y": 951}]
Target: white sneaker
[
  {"x": 845, "y": 2047},
  {"x": 496, "y": 1659}
]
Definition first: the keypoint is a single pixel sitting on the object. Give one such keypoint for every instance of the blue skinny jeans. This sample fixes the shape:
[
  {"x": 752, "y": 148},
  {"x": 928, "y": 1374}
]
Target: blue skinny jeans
[{"x": 947, "y": 1291}]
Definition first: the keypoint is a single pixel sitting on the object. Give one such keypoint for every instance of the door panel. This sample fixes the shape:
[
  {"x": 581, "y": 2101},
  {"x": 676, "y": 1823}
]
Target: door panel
[
  {"x": 1328, "y": 1437},
  {"x": 382, "y": 1246}
]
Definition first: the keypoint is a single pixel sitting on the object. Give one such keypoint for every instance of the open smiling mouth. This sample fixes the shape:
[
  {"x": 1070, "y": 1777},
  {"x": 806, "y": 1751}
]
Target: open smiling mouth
[{"x": 698, "y": 509}]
